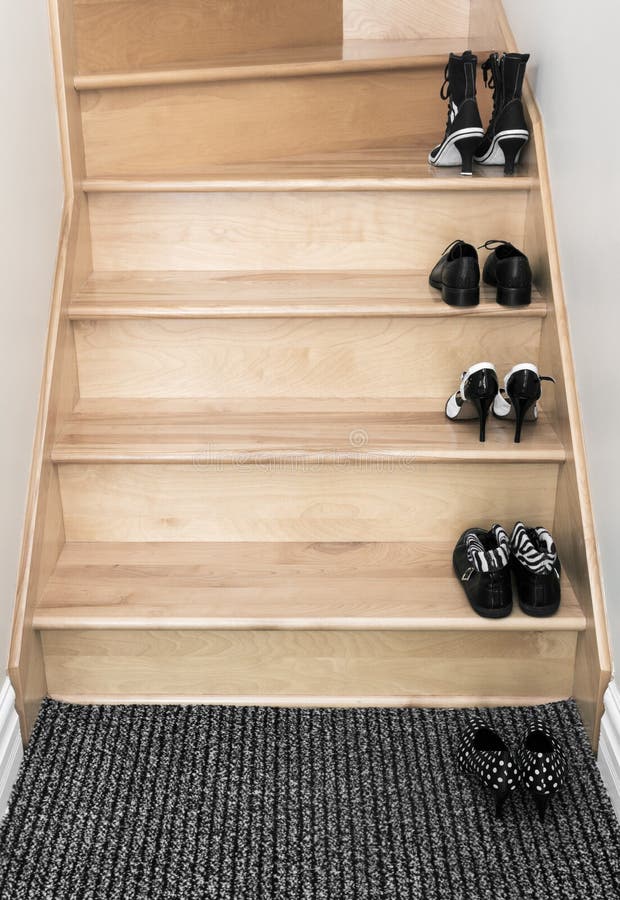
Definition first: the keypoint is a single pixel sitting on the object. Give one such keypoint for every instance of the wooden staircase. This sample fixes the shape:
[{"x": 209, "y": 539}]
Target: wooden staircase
[{"x": 244, "y": 488}]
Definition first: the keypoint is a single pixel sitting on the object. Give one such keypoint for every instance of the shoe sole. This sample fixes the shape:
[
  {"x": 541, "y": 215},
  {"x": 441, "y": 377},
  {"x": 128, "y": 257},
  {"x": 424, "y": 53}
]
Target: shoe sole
[
  {"x": 448, "y": 154},
  {"x": 495, "y": 155}
]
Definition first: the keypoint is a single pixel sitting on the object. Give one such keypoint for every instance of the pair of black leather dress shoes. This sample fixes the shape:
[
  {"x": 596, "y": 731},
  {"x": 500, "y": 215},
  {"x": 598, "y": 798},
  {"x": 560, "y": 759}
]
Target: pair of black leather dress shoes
[
  {"x": 537, "y": 765},
  {"x": 457, "y": 274},
  {"x": 484, "y": 562}
]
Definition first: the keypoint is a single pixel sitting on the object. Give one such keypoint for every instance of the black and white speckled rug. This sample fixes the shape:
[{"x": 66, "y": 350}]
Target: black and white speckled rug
[{"x": 121, "y": 803}]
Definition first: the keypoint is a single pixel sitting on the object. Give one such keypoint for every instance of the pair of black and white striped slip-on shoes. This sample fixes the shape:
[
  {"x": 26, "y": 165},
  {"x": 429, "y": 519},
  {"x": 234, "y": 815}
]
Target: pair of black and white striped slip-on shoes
[
  {"x": 537, "y": 765},
  {"x": 479, "y": 392},
  {"x": 484, "y": 562}
]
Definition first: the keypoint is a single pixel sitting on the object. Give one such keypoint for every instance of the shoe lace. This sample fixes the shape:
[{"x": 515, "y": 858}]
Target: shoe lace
[
  {"x": 444, "y": 93},
  {"x": 452, "y": 244},
  {"x": 491, "y": 77},
  {"x": 493, "y": 244}
]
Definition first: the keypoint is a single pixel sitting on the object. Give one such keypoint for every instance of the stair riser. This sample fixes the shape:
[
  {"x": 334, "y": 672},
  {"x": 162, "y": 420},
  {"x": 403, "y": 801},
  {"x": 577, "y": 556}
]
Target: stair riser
[
  {"x": 113, "y": 35},
  {"x": 272, "y": 231},
  {"x": 125, "y": 665},
  {"x": 182, "y": 130},
  {"x": 356, "y": 358},
  {"x": 359, "y": 502},
  {"x": 397, "y": 19}
]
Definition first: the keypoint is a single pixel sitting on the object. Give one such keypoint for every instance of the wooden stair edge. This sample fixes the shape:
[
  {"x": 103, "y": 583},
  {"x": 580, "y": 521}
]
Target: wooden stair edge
[
  {"x": 289, "y": 586},
  {"x": 353, "y": 55},
  {"x": 265, "y": 182},
  {"x": 305, "y": 701},
  {"x": 268, "y": 432},
  {"x": 277, "y": 294}
]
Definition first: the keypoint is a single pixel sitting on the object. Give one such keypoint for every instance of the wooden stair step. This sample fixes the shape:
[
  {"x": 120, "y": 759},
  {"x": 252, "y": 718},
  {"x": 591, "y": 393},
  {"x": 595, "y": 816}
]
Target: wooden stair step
[
  {"x": 186, "y": 294},
  {"x": 293, "y": 586},
  {"x": 353, "y": 55},
  {"x": 294, "y": 430},
  {"x": 358, "y": 169}
]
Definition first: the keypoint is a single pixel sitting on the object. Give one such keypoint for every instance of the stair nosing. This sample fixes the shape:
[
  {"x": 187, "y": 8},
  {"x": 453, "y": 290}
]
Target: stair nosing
[
  {"x": 45, "y": 621},
  {"x": 240, "y": 72},
  {"x": 266, "y": 183},
  {"x": 85, "y": 308}
]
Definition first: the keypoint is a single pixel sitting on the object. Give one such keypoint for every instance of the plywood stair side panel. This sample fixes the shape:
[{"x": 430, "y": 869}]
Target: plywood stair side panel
[{"x": 573, "y": 521}]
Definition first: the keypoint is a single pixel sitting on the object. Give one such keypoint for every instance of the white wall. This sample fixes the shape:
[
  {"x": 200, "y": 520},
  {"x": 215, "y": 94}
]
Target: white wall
[
  {"x": 573, "y": 71},
  {"x": 30, "y": 209}
]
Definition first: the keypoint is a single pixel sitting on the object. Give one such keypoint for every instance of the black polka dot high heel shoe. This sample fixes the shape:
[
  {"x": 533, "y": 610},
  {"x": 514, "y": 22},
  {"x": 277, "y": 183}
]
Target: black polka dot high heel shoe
[
  {"x": 542, "y": 765},
  {"x": 482, "y": 752}
]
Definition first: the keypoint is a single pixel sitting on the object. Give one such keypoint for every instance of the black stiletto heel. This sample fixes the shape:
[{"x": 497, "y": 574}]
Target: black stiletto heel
[
  {"x": 542, "y": 766},
  {"x": 483, "y": 405},
  {"x": 520, "y": 395},
  {"x": 482, "y": 752},
  {"x": 475, "y": 396},
  {"x": 522, "y": 406}
]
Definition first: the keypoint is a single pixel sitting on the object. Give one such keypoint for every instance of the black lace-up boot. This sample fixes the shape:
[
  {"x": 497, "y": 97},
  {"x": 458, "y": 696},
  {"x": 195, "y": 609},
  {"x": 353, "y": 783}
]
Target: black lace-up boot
[
  {"x": 464, "y": 129},
  {"x": 507, "y": 133}
]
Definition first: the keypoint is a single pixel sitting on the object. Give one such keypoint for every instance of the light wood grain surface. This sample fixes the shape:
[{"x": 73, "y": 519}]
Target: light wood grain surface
[
  {"x": 179, "y": 294},
  {"x": 334, "y": 357},
  {"x": 134, "y": 34},
  {"x": 294, "y": 430},
  {"x": 297, "y": 62},
  {"x": 368, "y": 502},
  {"x": 403, "y": 19},
  {"x": 320, "y": 586},
  {"x": 329, "y": 231},
  {"x": 366, "y": 663}
]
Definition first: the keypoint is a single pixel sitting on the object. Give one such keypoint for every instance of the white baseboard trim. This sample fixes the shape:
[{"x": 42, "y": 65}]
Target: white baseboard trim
[
  {"x": 609, "y": 745},
  {"x": 10, "y": 744}
]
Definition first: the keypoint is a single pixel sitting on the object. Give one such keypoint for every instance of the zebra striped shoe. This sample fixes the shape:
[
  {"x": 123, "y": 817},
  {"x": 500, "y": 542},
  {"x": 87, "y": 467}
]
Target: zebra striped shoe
[
  {"x": 483, "y": 753},
  {"x": 537, "y": 570},
  {"x": 481, "y": 561},
  {"x": 542, "y": 765}
]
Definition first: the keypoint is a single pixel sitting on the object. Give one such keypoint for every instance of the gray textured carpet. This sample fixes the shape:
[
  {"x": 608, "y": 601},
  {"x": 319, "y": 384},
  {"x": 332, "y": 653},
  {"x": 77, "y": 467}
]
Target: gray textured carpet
[{"x": 199, "y": 802}]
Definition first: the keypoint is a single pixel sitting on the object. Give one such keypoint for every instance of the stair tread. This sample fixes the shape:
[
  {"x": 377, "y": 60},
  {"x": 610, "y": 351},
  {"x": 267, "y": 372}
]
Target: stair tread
[
  {"x": 292, "y": 430},
  {"x": 183, "y": 294},
  {"x": 366, "y": 168},
  {"x": 352, "y": 55},
  {"x": 271, "y": 585}
]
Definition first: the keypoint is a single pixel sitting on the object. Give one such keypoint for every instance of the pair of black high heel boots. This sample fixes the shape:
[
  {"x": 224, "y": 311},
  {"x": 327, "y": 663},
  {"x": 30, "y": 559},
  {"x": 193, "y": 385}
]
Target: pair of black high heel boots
[{"x": 465, "y": 140}]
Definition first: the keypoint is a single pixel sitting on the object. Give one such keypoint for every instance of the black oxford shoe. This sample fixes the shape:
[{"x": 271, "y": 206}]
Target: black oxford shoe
[{"x": 457, "y": 275}]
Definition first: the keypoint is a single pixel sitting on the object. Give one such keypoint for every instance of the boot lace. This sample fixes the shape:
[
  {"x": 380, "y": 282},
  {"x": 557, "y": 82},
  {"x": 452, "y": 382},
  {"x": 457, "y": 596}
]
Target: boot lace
[
  {"x": 491, "y": 77},
  {"x": 444, "y": 93}
]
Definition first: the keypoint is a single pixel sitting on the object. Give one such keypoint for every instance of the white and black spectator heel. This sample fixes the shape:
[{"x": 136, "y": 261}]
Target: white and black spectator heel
[
  {"x": 483, "y": 753},
  {"x": 475, "y": 396},
  {"x": 542, "y": 765},
  {"x": 507, "y": 133},
  {"x": 537, "y": 570},
  {"x": 481, "y": 561},
  {"x": 519, "y": 397},
  {"x": 464, "y": 130}
]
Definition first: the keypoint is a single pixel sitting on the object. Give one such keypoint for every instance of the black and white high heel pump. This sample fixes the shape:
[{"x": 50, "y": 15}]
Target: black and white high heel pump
[
  {"x": 519, "y": 397},
  {"x": 542, "y": 765},
  {"x": 507, "y": 133},
  {"x": 483, "y": 753},
  {"x": 464, "y": 130},
  {"x": 478, "y": 390}
]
